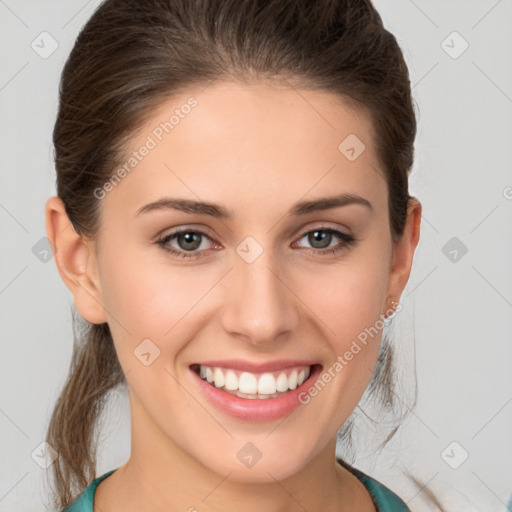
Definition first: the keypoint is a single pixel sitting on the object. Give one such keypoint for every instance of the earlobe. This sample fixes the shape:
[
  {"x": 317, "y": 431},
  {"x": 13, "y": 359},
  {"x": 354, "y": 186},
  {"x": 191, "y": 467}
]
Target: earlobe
[
  {"x": 403, "y": 251},
  {"x": 76, "y": 262}
]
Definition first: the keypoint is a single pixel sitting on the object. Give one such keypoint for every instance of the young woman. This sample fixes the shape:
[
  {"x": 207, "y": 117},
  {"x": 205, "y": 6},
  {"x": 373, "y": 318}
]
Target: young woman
[{"x": 233, "y": 220}]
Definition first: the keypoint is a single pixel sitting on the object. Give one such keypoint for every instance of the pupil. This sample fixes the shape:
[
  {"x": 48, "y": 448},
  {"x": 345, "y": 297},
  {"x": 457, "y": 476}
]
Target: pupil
[
  {"x": 192, "y": 240},
  {"x": 324, "y": 237}
]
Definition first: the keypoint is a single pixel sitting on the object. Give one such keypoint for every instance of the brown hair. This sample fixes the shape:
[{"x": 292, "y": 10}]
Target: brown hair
[{"x": 134, "y": 54}]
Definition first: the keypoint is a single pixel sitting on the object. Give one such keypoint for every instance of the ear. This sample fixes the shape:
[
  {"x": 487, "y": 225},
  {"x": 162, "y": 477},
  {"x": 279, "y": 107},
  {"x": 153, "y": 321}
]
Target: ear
[
  {"x": 76, "y": 262},
  {"x": 403, "y": 252}
]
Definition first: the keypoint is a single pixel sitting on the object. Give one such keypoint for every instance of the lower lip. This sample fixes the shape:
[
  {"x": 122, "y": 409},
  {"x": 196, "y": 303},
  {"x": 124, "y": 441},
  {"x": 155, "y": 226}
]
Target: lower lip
[{"x": 255, "y": 409}]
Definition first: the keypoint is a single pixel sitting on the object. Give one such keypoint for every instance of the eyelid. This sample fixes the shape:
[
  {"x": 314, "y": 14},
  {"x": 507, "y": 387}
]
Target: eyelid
[
  {"x": 185, "y": 228},
  {"x": 315, "y": 226}
]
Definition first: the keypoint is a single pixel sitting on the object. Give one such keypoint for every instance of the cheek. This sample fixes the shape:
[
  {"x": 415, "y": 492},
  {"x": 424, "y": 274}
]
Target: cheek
[
  {"x": 346, "y": 298},
  {"x": 347, "y": 303},
  {"x": 146, "y": 298}
]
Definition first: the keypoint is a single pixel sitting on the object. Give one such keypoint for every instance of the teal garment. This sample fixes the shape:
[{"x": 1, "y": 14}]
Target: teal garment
[{"x": 385, "y": 500}]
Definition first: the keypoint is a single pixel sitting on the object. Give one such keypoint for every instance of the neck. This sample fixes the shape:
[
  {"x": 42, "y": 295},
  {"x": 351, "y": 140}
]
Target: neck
[{"x": 161, "y": 477}]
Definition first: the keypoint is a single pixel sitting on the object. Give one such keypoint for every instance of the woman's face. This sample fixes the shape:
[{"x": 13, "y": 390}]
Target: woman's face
[{"x": 265, "y": 279}]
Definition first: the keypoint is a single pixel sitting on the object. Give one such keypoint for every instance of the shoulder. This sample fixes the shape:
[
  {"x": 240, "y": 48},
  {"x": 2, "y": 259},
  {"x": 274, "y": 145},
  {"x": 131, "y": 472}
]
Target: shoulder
[
  {"x": 385, "y": 499},
  {"x": 84, "y": 502}
]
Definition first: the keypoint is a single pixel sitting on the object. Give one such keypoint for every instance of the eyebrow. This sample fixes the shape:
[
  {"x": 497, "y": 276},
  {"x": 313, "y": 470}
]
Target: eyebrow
[{"x": 218, "y": 211}]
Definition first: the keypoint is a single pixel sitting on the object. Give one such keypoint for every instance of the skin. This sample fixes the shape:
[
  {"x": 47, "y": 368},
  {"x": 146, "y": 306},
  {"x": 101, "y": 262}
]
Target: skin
[{"x": 255, "y": 149}]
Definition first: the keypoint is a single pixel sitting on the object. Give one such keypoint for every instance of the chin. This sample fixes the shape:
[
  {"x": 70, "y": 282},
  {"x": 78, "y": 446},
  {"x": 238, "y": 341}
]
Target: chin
[{"x": 264, "y": 470}]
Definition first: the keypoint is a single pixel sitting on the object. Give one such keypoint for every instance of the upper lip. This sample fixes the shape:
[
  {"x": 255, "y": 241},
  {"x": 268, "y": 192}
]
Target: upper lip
[{"x": 252, "y": 367}]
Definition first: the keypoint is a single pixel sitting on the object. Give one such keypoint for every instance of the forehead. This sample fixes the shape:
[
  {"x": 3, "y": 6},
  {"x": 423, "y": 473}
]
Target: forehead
[{"x": 250, "y": 144}]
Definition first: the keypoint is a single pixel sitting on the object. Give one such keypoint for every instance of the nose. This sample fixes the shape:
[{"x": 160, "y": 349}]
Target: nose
[{"x": 259, "y": 305}]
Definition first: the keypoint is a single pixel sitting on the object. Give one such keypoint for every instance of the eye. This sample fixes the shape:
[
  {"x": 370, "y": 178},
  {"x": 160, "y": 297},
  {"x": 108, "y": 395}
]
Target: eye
[
  {"x": 188, "y": 241},
  {"x": 321, "y": 238}
]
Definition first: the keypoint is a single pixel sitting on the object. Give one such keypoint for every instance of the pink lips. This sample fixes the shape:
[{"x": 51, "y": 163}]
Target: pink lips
[{"x": 255, "y": 409}]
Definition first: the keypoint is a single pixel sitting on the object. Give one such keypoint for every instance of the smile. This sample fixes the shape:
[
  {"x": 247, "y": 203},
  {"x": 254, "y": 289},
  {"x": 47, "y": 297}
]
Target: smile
[
  {"x": 251, "y": 385},
  {"x": 252, "y": 391}
]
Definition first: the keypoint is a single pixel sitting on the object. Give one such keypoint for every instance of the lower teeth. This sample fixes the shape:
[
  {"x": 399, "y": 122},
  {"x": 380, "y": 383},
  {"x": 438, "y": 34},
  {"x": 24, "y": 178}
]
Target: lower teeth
[{"x": 252, "y": 396}]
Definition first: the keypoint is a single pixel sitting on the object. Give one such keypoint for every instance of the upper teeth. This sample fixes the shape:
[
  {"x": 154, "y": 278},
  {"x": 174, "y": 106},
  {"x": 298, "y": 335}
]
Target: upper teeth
[{"x": 253, "y": 383}]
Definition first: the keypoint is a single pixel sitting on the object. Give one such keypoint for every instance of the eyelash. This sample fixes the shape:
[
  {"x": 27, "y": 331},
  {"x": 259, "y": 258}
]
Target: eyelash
[{"x": 348, "y": 241}]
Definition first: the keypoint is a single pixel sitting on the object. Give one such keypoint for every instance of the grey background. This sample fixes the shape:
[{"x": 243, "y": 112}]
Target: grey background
[{"x": 457, "y": 317}]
